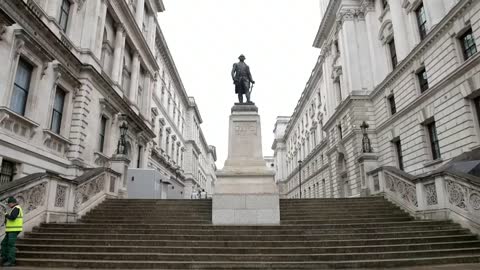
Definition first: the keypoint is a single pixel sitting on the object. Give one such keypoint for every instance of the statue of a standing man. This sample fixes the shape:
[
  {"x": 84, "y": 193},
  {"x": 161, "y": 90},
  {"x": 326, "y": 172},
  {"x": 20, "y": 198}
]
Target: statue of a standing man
[{"x": 242, "y": 78}]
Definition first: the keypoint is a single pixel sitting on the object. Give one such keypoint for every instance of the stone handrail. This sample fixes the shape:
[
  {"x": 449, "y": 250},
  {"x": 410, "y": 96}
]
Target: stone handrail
[
  {"x": 49, "y": 198},
  {"x": 440, "y": 196}
]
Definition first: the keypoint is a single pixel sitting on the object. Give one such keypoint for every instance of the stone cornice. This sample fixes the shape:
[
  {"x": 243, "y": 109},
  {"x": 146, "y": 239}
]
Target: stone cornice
[
  {"x": 327, "y": 22},
  {"x": 161, "y": 43},
  {"x": 426, "y": 43}
]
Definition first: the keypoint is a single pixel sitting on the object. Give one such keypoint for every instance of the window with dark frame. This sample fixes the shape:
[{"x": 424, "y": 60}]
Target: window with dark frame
[
  {"x": 468, "y": 44},
  {"x": 476, "y": 101},
  {"x": 57, "y": 112},
  {"x": 421, "y": 21},
  {"x": 139, "y": 156},
  {"x": 393, "y": 52},
  {"x": 64, "y": 14},
  {"x": 385, "y": 4},
  {"x": 7, "y": 172},
  {"x": 21, "y": 86},
  {"x": 434, "y": 145},
  {"x": 103, "y": 133},
  {"x": 422, "y": 80},
  {"x": 398, "y": 150},
  {"x": 392, "y": 105},
  {"x": 340, "y": 132}
]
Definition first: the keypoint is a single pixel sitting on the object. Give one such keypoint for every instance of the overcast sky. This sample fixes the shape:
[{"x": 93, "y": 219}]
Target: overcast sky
[{"x": 206, "y": 37}]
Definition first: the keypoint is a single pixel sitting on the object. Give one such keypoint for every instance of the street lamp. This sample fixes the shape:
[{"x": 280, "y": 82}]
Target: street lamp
[
  {"x": 366, "y": 146},
  {"x": 300, "y": 176},
  {"x": 122, "y": 144}
]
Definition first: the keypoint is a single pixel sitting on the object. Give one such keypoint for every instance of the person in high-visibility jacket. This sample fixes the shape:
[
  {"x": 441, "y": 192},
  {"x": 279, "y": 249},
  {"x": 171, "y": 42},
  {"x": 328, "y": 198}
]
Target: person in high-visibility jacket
[{"x": 13, "y": 226}]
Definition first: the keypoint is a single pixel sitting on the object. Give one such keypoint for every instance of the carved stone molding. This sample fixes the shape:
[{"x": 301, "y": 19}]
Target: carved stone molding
[
  {"x": 349, "y": 15},
  {"x": 88, "y": 190},
  {"x": 402, "y": 189},
  {"x": 431, "y": 193},
  {"x": 56, "y": 142},
  {"x": 60, "y": 196},
  {"x": 17, "y": 124}
]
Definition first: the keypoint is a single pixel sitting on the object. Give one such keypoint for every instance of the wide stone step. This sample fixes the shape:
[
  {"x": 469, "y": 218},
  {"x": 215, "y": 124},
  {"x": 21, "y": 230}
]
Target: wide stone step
[
  {"x": 246, "y": 265},
  {"x": 250, "y": 250},
  {"x": 214, "y": 231},
  {"x": 246, "y": 257},
  {"x": 134, "y": 224},
  {"x": 345, "y": 220},
  {"x": 346, "y": 215},
  {"x": 278, "y": 237},
  {"x": 250, "y": 243},
  {"x": 148, "y": 221}
]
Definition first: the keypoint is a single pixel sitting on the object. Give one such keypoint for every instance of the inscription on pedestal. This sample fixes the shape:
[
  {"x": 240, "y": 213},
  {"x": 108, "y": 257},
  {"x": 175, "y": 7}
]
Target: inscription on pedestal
[{"x": 245, "y": 128}]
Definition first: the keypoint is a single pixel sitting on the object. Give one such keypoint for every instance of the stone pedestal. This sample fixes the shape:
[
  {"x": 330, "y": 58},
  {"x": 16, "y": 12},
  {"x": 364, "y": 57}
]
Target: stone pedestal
[
  {"x": 245, "y": 192},
  {"x": 119, "y": 163}
]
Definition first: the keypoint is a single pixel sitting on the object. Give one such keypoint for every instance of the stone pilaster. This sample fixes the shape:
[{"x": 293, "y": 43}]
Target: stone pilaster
[
  {"x": 118, "y": 54},
  {"x": 79, "y": 124}
]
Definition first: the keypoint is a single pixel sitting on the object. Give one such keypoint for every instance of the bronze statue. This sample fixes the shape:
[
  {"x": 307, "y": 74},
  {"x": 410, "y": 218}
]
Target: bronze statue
[{"x": 242, "y": 78}]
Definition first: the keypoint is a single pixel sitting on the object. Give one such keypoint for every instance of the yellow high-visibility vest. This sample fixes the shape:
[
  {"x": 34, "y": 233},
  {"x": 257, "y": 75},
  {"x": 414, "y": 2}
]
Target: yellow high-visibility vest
[{"x": 15, "y": 225}]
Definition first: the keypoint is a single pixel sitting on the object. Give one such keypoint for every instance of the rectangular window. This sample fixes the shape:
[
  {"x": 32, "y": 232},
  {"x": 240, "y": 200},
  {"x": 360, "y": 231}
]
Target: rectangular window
[
  {"x": 7, "y": 172},
  {"x": 139, "y": 156},
  {"x": 398, "y": 150},
  {"x": 57, "y": 112},
  {"x": 103, "y": 133},
  {"x": 434, "y": 145},
  {"x": 421, "y": 21},
  {"x": 338, "y": 87},
  {"x": 340, "y": 133},
  {"x": 422, "y": 80},
  {"x": 393, "y": 106},
  {"x": 393, "y": 52},
  {"x": 21, "y": 87},
  {"x": 64, "y": 14},
  {"x": 477, "y": 107},
  {"x": 385, "y": 4},
  {"x": 467, "y": 41}
]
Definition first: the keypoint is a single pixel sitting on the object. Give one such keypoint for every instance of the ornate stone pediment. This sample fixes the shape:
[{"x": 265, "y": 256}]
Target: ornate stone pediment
[
  {"x": 108, "y": 107},
  {"x": 62, "y": 73}
]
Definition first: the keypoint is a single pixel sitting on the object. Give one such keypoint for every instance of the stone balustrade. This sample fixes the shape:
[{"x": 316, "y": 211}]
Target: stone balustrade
[
  {"x": 439, "y": 196},
  {"x": 48, "y": 198}
]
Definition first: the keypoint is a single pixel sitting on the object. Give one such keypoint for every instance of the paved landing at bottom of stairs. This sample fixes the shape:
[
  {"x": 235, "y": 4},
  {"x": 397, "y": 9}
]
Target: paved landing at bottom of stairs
[{"x": 475, "y": 266}]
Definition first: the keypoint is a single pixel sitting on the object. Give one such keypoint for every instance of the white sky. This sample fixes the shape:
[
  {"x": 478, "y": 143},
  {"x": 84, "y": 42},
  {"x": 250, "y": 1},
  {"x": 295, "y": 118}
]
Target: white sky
[{"x": 205, "y": 38}]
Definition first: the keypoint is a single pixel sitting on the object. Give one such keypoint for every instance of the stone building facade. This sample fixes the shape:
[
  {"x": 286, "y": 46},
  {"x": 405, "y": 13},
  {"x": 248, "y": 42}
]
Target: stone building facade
[
  {"x": 409, "y": 69},
  {"x": 74, "y": 71}
]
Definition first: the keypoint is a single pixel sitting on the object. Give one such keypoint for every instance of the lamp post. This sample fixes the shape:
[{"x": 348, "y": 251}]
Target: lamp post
[
  {"x": 300, "y": 176},
  {"x": 366, "y": 146},
  {"x": 122, "y": 144}
]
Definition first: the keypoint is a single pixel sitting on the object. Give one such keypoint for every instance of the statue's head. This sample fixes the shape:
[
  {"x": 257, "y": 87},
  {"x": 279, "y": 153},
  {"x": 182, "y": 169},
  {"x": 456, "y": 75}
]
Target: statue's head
[{"x": 241, "y": 57}]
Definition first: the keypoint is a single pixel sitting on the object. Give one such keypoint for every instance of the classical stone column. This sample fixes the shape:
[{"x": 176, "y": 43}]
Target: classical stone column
[
  {"x": 132, "y": 94},
  {"x": 118, "y": 53},
  {"x": 101, "y": 27},
  {"x": 435, "y": 10},
  {"x": 140, "y": 13},
  {"x": 402, "y": 44},
  {"x": 148, "y": 96},
  {"x": 377, "y": 51}
]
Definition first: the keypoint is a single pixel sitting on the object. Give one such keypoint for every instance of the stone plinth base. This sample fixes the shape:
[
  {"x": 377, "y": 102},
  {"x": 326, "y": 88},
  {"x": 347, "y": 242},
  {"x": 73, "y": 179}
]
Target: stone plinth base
[
  {"x": 245, "y": 209},
  {"x": 245, "y": 199},
  {"x": 245, "y": 191}
]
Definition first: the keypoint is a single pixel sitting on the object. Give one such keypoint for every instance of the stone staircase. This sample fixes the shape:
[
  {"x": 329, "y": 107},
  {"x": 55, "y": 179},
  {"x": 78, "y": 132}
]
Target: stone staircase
[{"x": 315, "y": 234}]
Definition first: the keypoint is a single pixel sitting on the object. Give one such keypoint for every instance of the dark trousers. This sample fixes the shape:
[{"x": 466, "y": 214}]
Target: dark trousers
[{"x": 8, "y": 247}]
